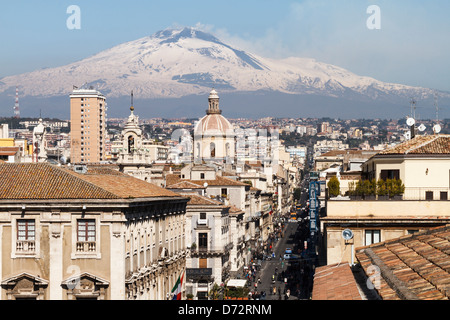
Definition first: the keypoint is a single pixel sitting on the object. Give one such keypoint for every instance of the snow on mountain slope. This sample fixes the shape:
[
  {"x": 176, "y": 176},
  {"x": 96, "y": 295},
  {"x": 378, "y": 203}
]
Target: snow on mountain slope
[{"x": 176, "y": 63}]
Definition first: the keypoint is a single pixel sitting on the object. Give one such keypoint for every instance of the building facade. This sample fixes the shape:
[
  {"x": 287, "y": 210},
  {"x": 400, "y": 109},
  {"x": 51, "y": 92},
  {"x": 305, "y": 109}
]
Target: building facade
[
  {"x": 137, "y": 155},
  {"x": 77, "y": 233},
  {"x": 423, "y": 164},
  {"x": 87, "y": 126}
]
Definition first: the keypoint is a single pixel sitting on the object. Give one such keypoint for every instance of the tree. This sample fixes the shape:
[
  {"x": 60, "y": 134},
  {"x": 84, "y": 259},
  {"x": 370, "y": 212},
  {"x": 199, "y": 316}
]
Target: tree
[
  {"x": 333, "y": 187},
  {"x": 382, "y": 188}
]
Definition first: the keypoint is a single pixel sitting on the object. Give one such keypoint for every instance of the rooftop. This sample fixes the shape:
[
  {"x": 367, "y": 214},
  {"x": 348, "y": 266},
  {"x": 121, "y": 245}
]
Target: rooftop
[
  {"x": 39, "y": 181},
  {"x": 412, "y": 267},
  {"x": 196, "y": 199},
  {"x": 431, "y": 144},
  {"x": 173, "y": 180},
  {"x": 335, "y": 282}
]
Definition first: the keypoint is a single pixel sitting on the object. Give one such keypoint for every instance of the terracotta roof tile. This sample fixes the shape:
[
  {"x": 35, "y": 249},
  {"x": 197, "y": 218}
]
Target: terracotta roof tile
[
  {"x": 432, "y": 144},
  {"x": 335, "y": 282},
  {"x": 419, "y": 263},
  {"x": 196, "y": 199},
  {"x": 46, "y": 181},
  {"x": 184, "y": 185},
  {"x": 172, "y": 179}
]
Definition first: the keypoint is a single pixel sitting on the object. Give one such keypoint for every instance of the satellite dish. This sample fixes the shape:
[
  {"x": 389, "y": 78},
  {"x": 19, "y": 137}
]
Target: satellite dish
[
  {"x": 422, "y": 127},
  {"x": 347, "y": 234},
  {"x": 410, "y": 121},
  {"x": 437, "y": 128},
  {"x": 205, "y": 184}
]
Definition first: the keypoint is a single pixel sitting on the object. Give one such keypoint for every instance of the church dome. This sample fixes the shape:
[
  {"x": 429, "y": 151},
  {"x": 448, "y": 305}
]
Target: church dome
[{"x": 213, "y": 123}]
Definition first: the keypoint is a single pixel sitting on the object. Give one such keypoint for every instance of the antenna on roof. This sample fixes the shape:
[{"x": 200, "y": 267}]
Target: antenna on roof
[
  {"x": 411, "y": 120},
  {"x": 413, "y": 108},
  {"x": 436, "y": 127}
]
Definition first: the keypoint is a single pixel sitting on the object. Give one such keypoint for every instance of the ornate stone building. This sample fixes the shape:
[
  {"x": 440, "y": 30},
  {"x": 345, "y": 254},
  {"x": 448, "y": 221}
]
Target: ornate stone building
[
  {"x": 87, "y": 233},
  {"x": 136, "y": 155}
]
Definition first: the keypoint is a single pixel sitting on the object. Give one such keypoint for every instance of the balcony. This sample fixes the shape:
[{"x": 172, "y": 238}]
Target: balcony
[
  {"x": 411, "y": 193},
  {"x": 86, "y": 247},
  {"x": 25, "y": 247},
  {"x": 205, "y": 251}
]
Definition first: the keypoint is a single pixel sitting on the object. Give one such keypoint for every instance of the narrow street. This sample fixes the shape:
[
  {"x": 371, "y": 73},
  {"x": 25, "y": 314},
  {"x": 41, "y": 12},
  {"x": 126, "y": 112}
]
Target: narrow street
[{"x": 285, "y": 274}]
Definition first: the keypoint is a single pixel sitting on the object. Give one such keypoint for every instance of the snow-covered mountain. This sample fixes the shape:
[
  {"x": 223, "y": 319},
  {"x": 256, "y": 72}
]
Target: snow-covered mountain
[{"x": 174, "y": 63}]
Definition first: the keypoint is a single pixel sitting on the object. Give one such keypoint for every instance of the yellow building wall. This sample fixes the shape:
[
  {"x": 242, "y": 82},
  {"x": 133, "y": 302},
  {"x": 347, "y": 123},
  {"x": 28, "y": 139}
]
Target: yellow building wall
[{"x": 7, "y": 142}]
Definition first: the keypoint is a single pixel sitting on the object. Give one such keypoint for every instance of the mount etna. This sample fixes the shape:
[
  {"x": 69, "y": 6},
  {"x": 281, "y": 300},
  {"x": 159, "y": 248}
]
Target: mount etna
[{"x": 172, "y": 72}]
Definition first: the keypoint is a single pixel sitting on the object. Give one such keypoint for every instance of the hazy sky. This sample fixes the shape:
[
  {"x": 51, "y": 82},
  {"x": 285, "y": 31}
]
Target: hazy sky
[{"x": 412, "y": 47}]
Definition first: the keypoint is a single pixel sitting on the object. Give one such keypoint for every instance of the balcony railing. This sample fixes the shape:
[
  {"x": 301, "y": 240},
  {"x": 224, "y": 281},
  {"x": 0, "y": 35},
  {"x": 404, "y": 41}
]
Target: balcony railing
[
  {"x": 415, "y": 193},
  {"x": 86, "y": 246},
  {"x": 25, "y": 246}
]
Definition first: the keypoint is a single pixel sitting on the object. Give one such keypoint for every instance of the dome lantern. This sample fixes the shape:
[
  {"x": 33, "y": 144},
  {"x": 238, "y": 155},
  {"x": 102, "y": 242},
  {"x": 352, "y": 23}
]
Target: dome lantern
[{"x": 213, "y": 101}]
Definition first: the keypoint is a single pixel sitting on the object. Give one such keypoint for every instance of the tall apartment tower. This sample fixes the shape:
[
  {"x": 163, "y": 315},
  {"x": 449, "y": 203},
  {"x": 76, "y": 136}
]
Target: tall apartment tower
[{"x": 87, "y": 126}]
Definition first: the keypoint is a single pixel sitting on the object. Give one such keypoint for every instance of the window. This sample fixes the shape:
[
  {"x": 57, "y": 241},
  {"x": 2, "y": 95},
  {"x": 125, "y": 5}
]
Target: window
[
  {"x": 202, "y": 176},
  {"x": 202, "y": 240},
  {"x": 390, "y": 174},
  {"x": 372, "y": 236},
  {"x": 428, "y": 195},
  {"x": 444, "y": 195},
  {"x": 202, "y": 215},
  {"x": 26, "y": 230},
  {"x": 224, "y": 191},
  {"x": 86, "y": 230},
  {"x": 212, "y": 148}
]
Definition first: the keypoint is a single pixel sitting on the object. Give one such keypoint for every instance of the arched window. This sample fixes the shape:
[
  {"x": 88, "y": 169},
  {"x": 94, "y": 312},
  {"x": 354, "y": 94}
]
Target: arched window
[
  {"x": 130, "y": 144},
  {"x": 212, "y": 148}
]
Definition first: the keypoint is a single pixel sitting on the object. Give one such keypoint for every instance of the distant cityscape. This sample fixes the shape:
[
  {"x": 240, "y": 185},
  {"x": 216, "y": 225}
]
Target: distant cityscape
[
  {"x": 213, "y": 208},
  {"x": 362, "y": 134}
]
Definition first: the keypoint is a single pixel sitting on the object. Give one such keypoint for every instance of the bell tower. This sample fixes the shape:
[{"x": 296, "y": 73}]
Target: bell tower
[{"x": 213, "y": 101}]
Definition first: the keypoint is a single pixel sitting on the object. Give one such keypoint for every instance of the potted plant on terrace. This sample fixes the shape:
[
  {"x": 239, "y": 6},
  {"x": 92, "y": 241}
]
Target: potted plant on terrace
[
  {"x": 352, "y": 193},
  {"x": 382, "y": 190},
  {"x": 398, "y": 188},
  {"x": 369, "y": 189},
  {"x": 333, "y": 187}
]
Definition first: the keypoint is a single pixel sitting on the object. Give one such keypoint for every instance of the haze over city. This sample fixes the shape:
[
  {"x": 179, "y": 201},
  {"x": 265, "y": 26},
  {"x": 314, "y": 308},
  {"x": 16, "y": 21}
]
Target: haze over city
[
  {"x": 225, "y": 150},
  {"x": 404, "y": 45}
]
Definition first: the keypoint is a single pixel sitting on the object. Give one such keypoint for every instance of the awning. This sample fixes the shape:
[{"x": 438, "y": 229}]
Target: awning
[{"x": 236, "y": 283}]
